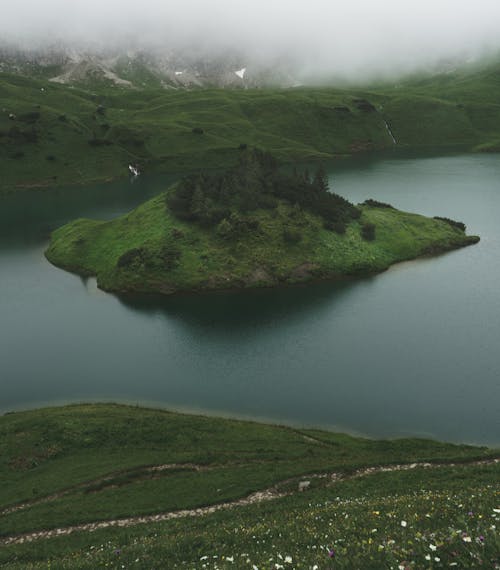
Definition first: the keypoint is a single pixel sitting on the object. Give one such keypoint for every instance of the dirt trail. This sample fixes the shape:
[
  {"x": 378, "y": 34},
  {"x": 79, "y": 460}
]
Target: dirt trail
[{"x": 258, "y": 497}]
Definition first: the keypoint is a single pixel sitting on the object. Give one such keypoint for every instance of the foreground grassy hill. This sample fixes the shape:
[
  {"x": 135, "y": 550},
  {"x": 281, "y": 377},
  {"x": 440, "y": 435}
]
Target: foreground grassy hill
[
  {"x": 54, "y": 134},
  {"x": 93, "y": 486}
]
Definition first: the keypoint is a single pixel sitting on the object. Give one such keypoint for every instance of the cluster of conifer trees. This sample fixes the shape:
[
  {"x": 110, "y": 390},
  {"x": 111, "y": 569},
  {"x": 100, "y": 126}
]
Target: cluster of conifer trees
[{"x": 257, "y": 182}]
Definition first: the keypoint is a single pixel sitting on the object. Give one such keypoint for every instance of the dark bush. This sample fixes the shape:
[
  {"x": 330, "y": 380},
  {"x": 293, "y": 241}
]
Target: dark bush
[
  {"x": 101, "y": 110},
  {"x": 17, "y": 155},
  {"x": 62, "y": 118},
  {"x": 197, "y": 131},
  {"x": 171, "y": 256},
  {"x": 225, "y": 229},
  {"x": 291, "y": 235},
  {"x": 377, "y": 204},
  {"x": 267, "y": 202},
  {"x": 337, "y": 227},
  {"x": 50, "y": 157},
  {"x": 177, "y": 233},
  {"x": 368, "y": 231},
  {"x": 452, "y": 223},
  {"x": 243, "y": 146},
  {"x": 131, "y": 257},
  {"x": 355, "y": 213}
]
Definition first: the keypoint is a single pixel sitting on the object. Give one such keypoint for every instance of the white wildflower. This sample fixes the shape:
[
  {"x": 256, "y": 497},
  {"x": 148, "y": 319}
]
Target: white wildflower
[{"x": 403, "y": 524}]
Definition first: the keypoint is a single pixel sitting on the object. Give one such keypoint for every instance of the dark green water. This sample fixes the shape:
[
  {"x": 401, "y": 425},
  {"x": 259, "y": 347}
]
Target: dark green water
[{"x": 414, "y": 351}]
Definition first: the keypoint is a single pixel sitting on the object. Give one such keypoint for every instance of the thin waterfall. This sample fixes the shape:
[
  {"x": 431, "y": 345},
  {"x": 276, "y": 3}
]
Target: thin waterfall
[{"x": 390, "y": 132}]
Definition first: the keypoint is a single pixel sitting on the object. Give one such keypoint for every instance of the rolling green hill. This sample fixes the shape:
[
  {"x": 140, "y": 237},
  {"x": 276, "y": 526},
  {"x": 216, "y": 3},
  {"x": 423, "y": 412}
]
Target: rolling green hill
[
  {"x": 94, "y": 486},
  {"x": 59, "y": 134}
]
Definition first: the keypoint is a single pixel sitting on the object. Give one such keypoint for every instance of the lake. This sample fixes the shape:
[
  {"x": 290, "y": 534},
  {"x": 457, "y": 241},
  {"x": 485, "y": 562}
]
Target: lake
[{"x": 414, "y": 351}]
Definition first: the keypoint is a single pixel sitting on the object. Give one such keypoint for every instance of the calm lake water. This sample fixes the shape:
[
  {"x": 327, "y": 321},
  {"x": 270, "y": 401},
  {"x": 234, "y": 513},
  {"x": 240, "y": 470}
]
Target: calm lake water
[{"x": 413, "y": 351}]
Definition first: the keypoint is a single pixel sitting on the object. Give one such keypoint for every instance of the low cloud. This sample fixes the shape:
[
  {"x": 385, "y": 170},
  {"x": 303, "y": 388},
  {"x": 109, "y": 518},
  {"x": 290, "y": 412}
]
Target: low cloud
[{"x": 323, "y": 37}]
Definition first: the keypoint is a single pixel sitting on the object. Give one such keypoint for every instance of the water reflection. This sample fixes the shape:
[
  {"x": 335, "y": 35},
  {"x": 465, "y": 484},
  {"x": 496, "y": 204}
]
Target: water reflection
[{"x": 227, "y": 313}]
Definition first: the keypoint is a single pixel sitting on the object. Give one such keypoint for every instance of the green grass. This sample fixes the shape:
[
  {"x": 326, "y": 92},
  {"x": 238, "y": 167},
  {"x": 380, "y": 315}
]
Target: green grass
[
  {"x": 154, "y": 126},
  {"x": 259, "y": 258},
  {"x": 97, "y": 457}
]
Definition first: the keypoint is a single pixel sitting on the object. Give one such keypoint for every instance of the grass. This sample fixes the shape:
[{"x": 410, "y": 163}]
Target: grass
[
  {"x": 154, "y": 127},
  {"x": 92, "y": 462},
  {"x": 259, "y": 258}
]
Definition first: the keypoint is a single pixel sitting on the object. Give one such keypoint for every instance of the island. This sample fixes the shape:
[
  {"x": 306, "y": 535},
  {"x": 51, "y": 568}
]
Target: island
[{"x": 254, "y": 225}]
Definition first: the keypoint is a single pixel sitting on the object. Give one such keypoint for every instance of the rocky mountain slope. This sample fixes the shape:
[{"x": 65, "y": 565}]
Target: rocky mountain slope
[{"x": 138, "y": 69}]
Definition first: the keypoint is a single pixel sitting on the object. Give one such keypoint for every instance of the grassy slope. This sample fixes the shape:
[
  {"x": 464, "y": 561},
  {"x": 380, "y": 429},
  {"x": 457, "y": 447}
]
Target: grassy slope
[
  {"x": 154, "y": 126},
  {"x": 50, "y": 450},
  {"x": 260, "y": 258}
]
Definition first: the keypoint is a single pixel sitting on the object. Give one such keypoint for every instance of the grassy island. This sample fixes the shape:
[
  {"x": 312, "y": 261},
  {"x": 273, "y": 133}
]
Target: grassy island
[
  {"x": 253, "y": 225},
  {"x": 110, "y": 486}
]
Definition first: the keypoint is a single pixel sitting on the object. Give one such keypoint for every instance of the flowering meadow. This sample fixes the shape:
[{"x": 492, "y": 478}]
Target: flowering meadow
[{"x": 443, "y": 518}]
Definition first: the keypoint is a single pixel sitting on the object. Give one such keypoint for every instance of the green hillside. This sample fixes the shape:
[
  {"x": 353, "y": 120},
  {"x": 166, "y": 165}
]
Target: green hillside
[
  {"x": 78, "y": 465},
  {"x": 60, "y": 134}
]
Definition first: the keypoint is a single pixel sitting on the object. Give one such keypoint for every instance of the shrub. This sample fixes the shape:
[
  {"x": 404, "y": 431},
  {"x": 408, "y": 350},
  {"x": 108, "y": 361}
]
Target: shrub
[
  {"x": 170, "y": 256},
  {"x": 355, "y": 213},
  {"x": 267, "y": 202},
  {"x": 131, "y": 257},
  {"x": 377, "y": 204},
  {"x": 197, "y": 131},
  {"x": 368, "y": 231},
  {"x": 50, "y": 157},
  {"x": 337, "y": 227},
  {"x": 454, "y": 224},
  {"x": 291, "y": 235},
  {"x": 177, "y": 233},
  {"x": 224, "y": 229}
]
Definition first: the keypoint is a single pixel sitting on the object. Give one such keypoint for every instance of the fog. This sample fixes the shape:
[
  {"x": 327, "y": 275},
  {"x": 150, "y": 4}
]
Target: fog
[{"x": 323, "y": 37}]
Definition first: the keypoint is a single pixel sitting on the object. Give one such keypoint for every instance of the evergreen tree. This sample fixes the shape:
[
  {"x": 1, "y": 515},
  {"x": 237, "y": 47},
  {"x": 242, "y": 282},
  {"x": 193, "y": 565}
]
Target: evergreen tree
[{"x": 320, "y": 180}]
